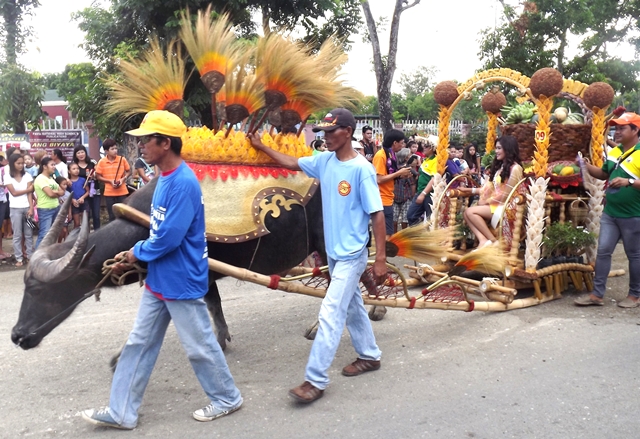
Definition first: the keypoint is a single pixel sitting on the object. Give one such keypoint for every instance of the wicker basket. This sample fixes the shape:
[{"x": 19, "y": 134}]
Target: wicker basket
[
  {"x": 563, "y": 181},
  {"x": 564, "y": 144},
  {"x": 578, "y": 212}
]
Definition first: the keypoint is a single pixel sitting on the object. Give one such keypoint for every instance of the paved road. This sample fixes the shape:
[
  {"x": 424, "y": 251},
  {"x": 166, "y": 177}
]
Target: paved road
[{"x": 552, "y": 371}]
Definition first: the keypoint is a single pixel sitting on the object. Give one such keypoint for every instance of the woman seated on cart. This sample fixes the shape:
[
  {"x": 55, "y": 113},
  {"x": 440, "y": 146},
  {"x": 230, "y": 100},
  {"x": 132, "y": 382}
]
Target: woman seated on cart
[{"x": 504, "y": 175}]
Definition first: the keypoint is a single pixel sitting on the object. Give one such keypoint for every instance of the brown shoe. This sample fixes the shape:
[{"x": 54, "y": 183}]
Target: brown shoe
[
  {"x": 306, "y": 393},
  {"x": 588, "y": 300},
  {"x": 629, "y": 302},
  {"x": 360, "y": 366}
]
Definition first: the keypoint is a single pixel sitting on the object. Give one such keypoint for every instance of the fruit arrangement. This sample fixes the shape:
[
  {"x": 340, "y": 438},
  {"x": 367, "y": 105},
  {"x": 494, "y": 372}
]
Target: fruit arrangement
[
  {"x": 565, "y": 170},
  {"x": 522, "y": 113}
]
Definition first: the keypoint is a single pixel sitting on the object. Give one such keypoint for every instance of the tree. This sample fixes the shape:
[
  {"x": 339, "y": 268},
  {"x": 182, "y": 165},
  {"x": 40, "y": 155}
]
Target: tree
[
  {"x": 540, "y": 36},
  {"x": 420, "y": 81},
  {"x": 123, "y": 29},
  {"x": 21, "y": 92},
  {"x": 385, "y": 66}
]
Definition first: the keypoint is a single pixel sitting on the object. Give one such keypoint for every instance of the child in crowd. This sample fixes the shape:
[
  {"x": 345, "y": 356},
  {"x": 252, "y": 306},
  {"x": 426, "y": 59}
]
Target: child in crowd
[
  {"x": 80, "y": 192},
  {"x": 64, "y": 184},
  {"x": 29, "y": 165}
]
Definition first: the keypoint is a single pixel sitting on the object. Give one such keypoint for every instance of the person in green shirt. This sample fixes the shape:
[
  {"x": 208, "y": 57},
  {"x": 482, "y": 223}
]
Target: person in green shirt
[
  {"x": 621, "y": 216},
  {"x": 47, "y": 192}
]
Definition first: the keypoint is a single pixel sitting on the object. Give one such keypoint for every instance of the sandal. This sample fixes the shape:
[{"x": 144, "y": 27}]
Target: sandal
[{"x": 19, "y": 264}]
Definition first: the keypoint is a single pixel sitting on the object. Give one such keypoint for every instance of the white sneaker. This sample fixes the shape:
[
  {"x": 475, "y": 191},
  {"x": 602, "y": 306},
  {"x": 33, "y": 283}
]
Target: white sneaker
[{"x": 210, "y": 412}]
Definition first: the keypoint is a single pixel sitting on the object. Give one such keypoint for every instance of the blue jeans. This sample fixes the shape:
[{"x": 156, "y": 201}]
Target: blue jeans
[
  {"x": 611, "y": 229},
  {"x": 45, "y": 220},
  {"x": 138, "y": 357},
  {"x": 415, "y": 211},
  {"x": 342, "y": 304},
  {"x": 93, "y": 204}
]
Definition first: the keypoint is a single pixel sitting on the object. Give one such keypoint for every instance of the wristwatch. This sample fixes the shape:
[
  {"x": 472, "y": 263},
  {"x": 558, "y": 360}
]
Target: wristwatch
[{"x": 631, "y": 181}]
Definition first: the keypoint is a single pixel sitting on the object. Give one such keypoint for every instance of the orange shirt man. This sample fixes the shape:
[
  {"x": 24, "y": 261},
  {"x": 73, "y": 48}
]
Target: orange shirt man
[{"x": 113, "y": 170}]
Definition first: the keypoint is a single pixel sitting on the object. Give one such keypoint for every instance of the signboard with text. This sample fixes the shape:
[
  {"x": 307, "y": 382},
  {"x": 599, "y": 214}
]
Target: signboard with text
[{"x": 48, "y": 140}]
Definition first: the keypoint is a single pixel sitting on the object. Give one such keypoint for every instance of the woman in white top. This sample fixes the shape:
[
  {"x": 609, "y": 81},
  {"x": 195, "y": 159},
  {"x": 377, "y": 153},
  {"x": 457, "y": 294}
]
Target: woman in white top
[{"x": 20, "y": 186}]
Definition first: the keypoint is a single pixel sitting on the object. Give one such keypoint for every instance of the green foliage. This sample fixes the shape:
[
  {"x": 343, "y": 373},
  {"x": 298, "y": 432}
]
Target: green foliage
[
  {"x": 21, "y": 94},
  {"x": 418, "y": 82},
  {"x": 487, "y": 159},
  {"x": 564, "y": 239},
  {"x": 541, "y": 38},
  {"x": 368, "y": 105}
]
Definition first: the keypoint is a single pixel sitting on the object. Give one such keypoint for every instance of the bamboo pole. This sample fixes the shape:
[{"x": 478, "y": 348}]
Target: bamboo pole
[
  {"x": 588, "y": 280},
  {"x": 290, "y": 287},
  {"x": 536, "y": 289},
  {"x": 548, "y": 283}
]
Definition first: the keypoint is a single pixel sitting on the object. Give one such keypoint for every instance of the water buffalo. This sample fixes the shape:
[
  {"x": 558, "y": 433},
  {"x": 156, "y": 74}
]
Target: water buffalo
[{"x": 60, "y": 274}]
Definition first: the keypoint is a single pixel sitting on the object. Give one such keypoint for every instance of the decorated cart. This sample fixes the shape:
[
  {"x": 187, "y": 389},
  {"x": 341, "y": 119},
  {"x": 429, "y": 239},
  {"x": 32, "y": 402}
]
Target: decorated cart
[
  {"x": 278, "y": 84},
  {"x": 554, "y": 201}
]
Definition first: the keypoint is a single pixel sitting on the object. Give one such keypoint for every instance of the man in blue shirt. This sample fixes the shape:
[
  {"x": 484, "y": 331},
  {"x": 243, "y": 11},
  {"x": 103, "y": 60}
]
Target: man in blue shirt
[
  {"x": 350, "y": 196},
  {"x": 177, "y": 280}
]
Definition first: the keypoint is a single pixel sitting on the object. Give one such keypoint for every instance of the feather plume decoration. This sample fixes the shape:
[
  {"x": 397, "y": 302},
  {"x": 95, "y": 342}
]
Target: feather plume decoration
[
  {"x": 322, "y": 90},
  {"x": 489, "y": 259},
  {"x": 419, "y": 243},
  {"x": 156, "y": 81},
  {"x": 284, "y": 69},
  {"x": 244, "y": 93},
  {"x": 212, "y": 46}
]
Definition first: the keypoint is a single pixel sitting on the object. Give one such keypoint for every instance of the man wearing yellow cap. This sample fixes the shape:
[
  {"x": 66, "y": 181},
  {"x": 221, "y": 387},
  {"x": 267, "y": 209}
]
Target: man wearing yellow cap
[
  {"x": 621, "y": 216},
  {"x": 177, "y": 280}
]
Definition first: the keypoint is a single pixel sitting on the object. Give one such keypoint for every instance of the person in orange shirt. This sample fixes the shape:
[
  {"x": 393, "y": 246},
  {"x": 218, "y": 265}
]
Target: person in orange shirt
[
  {"x": 113, "y": 170},
  {"x": 387, "y": 171}
]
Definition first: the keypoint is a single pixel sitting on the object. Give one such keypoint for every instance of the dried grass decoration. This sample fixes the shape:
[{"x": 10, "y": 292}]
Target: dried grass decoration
[
  {"x": 156, "y": 81},
  {"x": 490, "y": 259},
  {"x": 420, "y": 243},
  {"x": 212, "y": 46}
]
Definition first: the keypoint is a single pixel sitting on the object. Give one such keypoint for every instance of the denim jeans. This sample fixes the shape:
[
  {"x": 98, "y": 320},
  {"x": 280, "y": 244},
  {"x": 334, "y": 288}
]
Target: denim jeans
[
  {"x": 415, "y": 211},
  {"x": 20, "y": 229},
  {"x": 93, "y": 204},
  {"x": 611, "y": 229},
  {"x": 45, "y": 220},
  {"x": 342, "y": 304},
  {"x": 138, "y": 357},
  {"x": 110, "y": 201}
]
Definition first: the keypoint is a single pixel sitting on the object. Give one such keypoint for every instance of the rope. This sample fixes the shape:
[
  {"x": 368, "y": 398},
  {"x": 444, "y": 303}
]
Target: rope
[{"x": 107, "y": 271}]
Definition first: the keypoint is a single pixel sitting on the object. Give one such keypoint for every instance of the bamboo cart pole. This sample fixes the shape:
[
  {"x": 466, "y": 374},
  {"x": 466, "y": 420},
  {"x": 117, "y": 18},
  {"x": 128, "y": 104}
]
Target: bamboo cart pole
[
  {"x": 574, "y": 280},
  {"x": 124, "y": 211},
  {"x": 476, "y": 283},
  {"x": 548, "y": 283},
  {"x": 536, "y": 289},
  {"x": 588, "y": 280}
]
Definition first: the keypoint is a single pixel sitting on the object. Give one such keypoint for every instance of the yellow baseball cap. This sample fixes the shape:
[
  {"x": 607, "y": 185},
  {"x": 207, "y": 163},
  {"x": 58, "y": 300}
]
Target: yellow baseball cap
[{"x": 160, "y": 122}]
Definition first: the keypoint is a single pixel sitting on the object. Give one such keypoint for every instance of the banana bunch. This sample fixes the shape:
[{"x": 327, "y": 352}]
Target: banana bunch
[{"x": 522, "y": 113}]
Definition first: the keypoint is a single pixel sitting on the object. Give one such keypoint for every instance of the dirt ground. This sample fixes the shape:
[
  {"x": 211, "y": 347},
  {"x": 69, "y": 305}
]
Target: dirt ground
[{"x": 550, "y": 371}]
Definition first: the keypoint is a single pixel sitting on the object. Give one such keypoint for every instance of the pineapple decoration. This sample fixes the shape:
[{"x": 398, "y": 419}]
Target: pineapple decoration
[
  {"x": 445, "y": 94},
  {"x": 491, "y": 103},
  {"x": 545, "y": 83},
  {"x": 598, "y": 96},
  {"x": 212, "y": 46}
]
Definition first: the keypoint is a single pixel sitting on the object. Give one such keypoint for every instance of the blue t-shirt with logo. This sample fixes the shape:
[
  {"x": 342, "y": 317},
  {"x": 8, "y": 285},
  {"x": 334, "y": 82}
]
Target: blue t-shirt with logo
[
  {"x": 349, "y": 195},
  {"x": 176, "y": 250}
]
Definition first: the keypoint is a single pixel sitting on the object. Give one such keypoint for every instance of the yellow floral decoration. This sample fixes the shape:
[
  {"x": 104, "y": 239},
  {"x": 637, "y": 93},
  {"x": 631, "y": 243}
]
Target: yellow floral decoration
[{"x": 202, "y": 145}]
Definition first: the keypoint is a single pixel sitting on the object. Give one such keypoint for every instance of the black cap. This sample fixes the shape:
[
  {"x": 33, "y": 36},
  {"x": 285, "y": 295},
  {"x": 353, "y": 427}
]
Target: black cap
[{"x": 336, "y": 118}]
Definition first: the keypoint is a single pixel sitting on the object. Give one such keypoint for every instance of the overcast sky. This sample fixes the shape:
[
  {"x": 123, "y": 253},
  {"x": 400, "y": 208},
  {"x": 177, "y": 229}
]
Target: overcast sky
[{"x": 443, "y": 34}]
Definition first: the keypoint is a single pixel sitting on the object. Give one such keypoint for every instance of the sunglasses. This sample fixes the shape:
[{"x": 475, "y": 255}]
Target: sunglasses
[{"x": 146, "y": 139}]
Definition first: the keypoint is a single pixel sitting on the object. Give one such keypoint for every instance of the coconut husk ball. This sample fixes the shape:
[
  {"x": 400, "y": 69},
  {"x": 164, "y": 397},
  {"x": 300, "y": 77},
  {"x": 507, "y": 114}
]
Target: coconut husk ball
[
  {"x": 493, "y": 102},
  {"x": 445, "y": 93},
  {"x": 598, "y": 94},
  {"x": 547, "y": 82}
]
